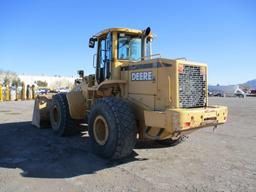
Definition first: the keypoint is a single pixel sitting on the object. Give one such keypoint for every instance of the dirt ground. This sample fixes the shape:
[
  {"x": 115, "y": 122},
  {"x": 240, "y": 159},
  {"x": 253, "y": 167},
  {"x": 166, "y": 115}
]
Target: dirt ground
[{"x": 33, "y": 159}]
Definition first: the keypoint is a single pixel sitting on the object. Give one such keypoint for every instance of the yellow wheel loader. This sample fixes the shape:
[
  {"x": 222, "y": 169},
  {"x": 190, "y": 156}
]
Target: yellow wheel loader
[{"x": 132, "y": 95}]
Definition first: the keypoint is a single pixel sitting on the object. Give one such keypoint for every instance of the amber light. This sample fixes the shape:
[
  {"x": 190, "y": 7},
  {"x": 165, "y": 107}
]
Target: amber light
[
  {"x": 202, "y": 71},
  {"x": 181, "y": 68},
  {"x": 187, "y": 124}
]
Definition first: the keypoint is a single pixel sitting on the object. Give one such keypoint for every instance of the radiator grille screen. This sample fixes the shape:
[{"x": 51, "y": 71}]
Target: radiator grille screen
[{"x": 192, "y": 86}]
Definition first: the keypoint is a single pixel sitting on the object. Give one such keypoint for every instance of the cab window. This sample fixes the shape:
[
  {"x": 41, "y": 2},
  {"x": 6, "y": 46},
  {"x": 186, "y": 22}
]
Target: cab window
[{"x": 129, "y": 47}]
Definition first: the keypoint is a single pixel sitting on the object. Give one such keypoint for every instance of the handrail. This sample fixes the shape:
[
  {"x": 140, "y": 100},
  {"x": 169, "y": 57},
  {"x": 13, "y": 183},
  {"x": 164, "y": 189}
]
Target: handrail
[
  {"x": 93, "y": 62},
  {"x": 181, "y": 58},
  {"x": 149, "y": 56},
  {"x": 169, "y": 89}
]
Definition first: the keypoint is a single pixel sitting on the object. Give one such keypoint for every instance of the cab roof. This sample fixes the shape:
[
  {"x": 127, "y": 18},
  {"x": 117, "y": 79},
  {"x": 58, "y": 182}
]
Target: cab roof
[{"x": 126, "y": 30}]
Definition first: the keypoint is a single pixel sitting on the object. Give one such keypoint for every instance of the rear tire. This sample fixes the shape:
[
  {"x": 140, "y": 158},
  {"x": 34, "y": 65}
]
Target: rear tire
[
  {"x": 61, "y": 121},
  {"x": 112, "y": 128}
]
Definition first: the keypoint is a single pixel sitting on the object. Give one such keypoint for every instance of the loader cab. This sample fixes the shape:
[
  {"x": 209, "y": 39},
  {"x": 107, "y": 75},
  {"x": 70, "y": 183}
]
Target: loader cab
[{"x": 118, "y": 46}]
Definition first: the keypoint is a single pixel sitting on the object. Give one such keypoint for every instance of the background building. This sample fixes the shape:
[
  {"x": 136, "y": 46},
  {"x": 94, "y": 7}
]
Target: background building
[{"x": 53, "y": 82}]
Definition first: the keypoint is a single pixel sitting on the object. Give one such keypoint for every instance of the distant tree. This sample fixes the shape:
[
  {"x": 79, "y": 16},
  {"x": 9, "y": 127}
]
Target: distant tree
[
  {"x": 41, "y": 83},
  {"x": 6, "y": 81},
  {"x": 8, "y": 77},
  {"x": 61, "y": 83},
  {"x": 16, "y": 82}
]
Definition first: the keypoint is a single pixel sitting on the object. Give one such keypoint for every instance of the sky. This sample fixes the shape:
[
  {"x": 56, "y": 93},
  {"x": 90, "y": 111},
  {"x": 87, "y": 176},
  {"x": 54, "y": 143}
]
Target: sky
[{"x": 50, "y": 37}]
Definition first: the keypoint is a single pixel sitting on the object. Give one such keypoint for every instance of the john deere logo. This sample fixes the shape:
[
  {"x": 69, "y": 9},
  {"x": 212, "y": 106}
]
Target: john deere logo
[{"x": 142, "y": 76}]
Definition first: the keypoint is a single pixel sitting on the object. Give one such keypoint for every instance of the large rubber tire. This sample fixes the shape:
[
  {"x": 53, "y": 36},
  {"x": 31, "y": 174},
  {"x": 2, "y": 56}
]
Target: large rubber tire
[
  {"x": 121, "y": 128},
  {"x": 61, "y": 121}
]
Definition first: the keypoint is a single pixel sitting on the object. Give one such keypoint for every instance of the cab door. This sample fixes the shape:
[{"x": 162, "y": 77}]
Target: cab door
[{"x": 103, "y": 67}]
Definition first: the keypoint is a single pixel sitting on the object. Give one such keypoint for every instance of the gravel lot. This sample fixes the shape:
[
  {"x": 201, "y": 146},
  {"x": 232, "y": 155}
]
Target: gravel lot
[{"x": 33, "y": 159}]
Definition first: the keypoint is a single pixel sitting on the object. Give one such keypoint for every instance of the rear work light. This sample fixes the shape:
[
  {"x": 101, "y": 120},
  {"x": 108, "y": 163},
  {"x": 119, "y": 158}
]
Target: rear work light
[
  {"x": 181, "y": 68},
  {"x": 202, "y": 70}
]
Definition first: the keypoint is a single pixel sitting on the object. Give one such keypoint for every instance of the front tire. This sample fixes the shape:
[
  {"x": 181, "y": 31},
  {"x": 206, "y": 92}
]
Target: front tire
[
  {"x": 112, "y": 128},
  {"x": 61, "y": 121}
]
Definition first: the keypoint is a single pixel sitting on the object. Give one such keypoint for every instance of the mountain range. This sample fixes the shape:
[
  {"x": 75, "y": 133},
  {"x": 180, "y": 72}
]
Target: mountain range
[{"x": 251, "y": 83}]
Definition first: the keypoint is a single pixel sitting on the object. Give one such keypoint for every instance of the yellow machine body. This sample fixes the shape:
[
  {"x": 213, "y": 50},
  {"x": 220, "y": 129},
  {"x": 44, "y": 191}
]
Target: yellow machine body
[{"x": 169, "y": 96}]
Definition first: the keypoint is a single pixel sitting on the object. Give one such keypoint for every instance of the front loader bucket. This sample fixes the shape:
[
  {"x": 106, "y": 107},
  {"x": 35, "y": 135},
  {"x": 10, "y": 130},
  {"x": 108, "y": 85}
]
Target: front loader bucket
[{"x": 41, "y": 113}]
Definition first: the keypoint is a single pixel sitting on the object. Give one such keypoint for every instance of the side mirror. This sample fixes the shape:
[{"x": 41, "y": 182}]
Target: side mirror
[
  {"x": 77, "y": 81},
  {"x": 80, "y": 73},
  {"x": 92, "y": 42},
  {"x": 147, "y": 31}
]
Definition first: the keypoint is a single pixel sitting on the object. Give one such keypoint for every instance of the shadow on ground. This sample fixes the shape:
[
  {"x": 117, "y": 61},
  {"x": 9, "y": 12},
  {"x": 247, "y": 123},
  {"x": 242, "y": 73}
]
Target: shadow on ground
[{"x": 41, "y": 154}]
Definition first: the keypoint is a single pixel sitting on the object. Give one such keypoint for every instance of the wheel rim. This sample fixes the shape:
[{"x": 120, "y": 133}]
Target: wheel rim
[{"x": 100, "y": 130}]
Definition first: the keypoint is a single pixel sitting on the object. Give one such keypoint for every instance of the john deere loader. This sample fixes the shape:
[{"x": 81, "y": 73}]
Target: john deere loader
[{"x": 133, "y": 95}]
